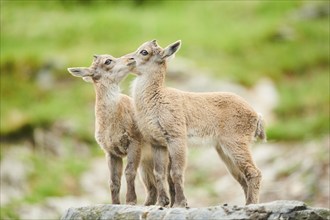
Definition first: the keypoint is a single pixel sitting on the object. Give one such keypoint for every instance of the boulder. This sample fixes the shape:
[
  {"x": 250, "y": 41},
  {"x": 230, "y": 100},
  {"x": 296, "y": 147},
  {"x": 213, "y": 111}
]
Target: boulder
[{"x": 281, "y": 209}]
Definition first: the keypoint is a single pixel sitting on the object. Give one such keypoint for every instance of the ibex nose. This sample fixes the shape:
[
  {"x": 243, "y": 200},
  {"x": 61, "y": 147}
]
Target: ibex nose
[{"x": 131, "y": 61}]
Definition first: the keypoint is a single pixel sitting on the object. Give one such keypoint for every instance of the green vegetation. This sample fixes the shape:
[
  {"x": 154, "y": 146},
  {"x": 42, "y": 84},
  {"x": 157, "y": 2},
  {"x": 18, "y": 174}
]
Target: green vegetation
[
  {"x": 49, "y": 175},
  {"x": 9, "y": 211},
  {"x": 286, "y": 41},
  {"x": 243, "y": 41},
  {"x": 60, "y": 177}
]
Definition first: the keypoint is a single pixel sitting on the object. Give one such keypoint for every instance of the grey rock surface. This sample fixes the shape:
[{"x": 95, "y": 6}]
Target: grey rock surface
[{"x": 280, "y": 209}]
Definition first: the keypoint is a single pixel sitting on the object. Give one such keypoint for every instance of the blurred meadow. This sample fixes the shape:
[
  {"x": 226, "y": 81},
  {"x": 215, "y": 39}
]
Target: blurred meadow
[{"x": 273, "y": 53}]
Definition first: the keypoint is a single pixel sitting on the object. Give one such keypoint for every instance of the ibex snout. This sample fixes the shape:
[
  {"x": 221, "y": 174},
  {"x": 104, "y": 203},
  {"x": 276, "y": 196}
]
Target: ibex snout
[{"x": 131, "y": 61}]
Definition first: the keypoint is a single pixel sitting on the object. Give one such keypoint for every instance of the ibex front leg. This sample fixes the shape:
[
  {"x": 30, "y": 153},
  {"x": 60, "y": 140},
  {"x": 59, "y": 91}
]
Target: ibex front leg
[
  {"x": 133, "y": 160},
  {"x": 177, "y": 151},
  {"x": 115, "y": 165},
  {"x": 161, "y": 161}
]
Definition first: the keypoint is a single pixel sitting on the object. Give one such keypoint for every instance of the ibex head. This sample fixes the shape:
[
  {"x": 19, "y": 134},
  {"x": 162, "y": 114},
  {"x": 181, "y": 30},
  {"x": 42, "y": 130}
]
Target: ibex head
[
  {"x": 150, "y": 55},
  {"x": 105, "y": 68}
]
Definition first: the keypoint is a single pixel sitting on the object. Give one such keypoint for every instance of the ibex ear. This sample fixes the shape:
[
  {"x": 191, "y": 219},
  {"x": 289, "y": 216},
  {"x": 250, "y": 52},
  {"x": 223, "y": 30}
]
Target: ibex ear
[
  {"x": 171, "y": 49},
  {"x": 88, "y": 79},
  {"x": 83, "y": 72}
]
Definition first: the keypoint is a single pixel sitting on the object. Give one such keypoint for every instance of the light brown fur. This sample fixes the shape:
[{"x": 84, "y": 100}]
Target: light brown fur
[
  {"x": 167, "y": 116},
  {"x": 115, "y": 126}
]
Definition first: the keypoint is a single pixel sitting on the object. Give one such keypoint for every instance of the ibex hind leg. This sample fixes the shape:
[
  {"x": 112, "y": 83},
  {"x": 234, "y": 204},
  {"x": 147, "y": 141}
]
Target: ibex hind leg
[
  {"x": 238, "y": 157},
  {"x": 233, "y": 169},
  {"x": 171, "y": 184},
  {"x": 148, "y": 178}
]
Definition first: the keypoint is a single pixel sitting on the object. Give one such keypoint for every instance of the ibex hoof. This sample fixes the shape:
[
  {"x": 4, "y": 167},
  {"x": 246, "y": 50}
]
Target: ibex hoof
[
  {"x": 149, "y": 202},
  {"x": 131, "y": 203},
  {"x": 163, "y": 202},
  {"x": 182, "y": 204}
]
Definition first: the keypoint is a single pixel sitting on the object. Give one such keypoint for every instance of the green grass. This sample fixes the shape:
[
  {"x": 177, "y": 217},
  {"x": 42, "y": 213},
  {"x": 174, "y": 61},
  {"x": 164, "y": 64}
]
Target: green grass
[
  {"x": 49, "y": 176},
  {"x": 9, "y": 211},
  {"x": 242, "y": 41},
  {"x": 303, "y": 110},
  {"x": 53, "y": 177},
  {"x": 26, "y": 104}
]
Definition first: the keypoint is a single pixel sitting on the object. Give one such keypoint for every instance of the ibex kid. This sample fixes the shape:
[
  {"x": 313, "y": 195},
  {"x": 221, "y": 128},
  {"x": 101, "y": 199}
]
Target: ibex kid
[
  {"x": 167, "y": 116},
  {"x": 116, "y": 130}
]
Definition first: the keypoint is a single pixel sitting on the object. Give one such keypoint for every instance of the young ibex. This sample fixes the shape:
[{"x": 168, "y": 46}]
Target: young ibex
[
  {"x": 116, "y": 130},
  {"x": 167, "y": 116}
]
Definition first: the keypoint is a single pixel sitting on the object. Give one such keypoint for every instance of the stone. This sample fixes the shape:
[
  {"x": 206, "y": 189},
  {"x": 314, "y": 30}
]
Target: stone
[
  {"x": 14, "y": 170},
  {"x": 281, "y": 209}
]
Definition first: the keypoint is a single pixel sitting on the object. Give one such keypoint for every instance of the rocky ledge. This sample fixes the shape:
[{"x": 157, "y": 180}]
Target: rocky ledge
[{"x": 273, "y": 210}]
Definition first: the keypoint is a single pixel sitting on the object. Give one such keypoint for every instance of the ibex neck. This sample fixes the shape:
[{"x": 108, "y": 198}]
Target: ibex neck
[
  {"x": 147, "y": 89},
  {"x": 153, "y": 80},
  {"x": 106, "y": 95}
]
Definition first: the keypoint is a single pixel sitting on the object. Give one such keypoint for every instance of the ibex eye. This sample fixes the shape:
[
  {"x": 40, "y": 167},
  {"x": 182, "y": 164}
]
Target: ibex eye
[
  {"x": 107, "y": 62},
  {"x": 144, "y": 52}
]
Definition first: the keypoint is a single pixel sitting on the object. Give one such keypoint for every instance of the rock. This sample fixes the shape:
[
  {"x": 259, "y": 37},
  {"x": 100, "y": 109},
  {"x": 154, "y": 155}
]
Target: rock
[
  {"x": 94, "y": 182},
  {"x": 14, "y": 171},
  {"x": 280, "y": 209},
  {"x": 46, "y": 75},
  {"x": 53, "y": 140},
  {"x": 312, "y": 11}
]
